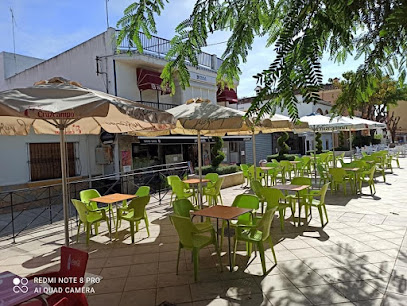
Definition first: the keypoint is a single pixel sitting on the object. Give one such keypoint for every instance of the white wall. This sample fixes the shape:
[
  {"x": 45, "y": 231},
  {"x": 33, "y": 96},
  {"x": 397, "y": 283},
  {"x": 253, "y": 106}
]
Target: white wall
[
  {"x": 77, "y": 64},
  {"x": 14, "y": 155}
]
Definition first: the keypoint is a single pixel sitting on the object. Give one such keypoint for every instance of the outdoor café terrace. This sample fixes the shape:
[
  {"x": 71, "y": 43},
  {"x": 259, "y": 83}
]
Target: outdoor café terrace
[{"x": 358, "y": 258}]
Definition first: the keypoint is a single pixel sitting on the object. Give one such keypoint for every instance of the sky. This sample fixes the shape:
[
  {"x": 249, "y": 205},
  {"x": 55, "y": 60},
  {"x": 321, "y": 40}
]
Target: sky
[{"x": 45, "y": 28}]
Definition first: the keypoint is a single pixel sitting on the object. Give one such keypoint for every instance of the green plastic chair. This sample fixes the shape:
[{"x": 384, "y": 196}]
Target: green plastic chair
[
  {"x": 368, "y": 177},
  {"x": 307, "y": 164},
  {"x": 274, "y": 199},
  {"x": 257, "y": 234},
  {"x": 180, "y": 190},
  {"x": 340, "y": 177},
  {"x": 320, "y": 204},
  {"x": 190, "y": 238},
  {"x": 257, "y": 189},
  {"x": 273, "y": 174},
  {"x": 183, "y": 207},
  {"x": 389, "y": 159},
  {"x": 87, "y": 217},
  {"x": 214, "y": 193},
  {"x": 248, "y": 201},
  {"x": 170, "y": 179},
  {"x": 287, "y": 168},
  {"x": 136, "y": 213},
  {"x": 396, "y": 158},
  {"x": 86, "y": 195},
  {"x": 260, "y": 176},
  {"x": 245, "y": 170},
  {"x": 323, "y": 174},
  {"x": 213, "y": 177},
  {"x": 142, "y": 191}
]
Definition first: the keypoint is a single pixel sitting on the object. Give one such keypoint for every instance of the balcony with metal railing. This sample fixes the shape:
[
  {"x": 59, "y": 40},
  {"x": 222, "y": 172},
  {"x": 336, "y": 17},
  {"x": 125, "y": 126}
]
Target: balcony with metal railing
[
  {"x": 159, "y": 47},
  {"x": 158, "y": 105}
]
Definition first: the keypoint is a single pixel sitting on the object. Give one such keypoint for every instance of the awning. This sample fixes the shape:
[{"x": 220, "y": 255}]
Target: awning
[
  {"x": 147, "y": 79},
  {"x": 226, "y": 95}
]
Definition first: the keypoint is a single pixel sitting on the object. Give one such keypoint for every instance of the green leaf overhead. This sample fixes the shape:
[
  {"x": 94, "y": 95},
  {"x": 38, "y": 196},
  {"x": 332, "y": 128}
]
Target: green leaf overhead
[{"x": 299, "y": 31}]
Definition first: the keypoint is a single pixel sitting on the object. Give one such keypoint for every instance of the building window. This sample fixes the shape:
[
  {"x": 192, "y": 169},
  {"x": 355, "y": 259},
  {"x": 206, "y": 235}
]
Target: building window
[{"x": 45, "y": 160}]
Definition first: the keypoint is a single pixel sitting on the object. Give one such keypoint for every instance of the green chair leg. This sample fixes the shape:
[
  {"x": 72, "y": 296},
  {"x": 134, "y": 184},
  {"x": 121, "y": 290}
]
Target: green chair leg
[
  {"x": 179, "y": 253},
  {"x": 79, "y": 228},
  {"x": 272, "y": 250},
  {"x": 147, "y": 223},
  {"x": 195, "y": 255},
  {"x": 87, "y": 233},
  {"x": 132, "y": 231},
  {"x": 262, "y": 258}
]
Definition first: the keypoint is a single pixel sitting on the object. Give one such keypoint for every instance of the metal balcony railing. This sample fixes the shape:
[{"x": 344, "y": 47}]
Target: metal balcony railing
[
  {"x": 158, "y": 105},
  {"x": 25, "y": 210},
  {"x": 158, "y": 46}
]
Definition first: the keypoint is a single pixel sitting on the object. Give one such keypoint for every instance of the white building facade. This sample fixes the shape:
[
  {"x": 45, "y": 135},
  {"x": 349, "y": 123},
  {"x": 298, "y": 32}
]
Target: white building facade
[{"x": 99, "y": 64}]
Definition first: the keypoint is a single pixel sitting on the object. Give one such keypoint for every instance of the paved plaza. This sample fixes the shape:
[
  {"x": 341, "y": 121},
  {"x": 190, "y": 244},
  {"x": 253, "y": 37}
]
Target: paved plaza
[{"x": 358, "y": 258}]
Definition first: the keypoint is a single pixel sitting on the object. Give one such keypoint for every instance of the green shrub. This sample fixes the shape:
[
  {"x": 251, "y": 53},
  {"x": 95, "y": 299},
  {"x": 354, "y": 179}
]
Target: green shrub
[
  {"x": 342, "y": 149},
  {"x": 279, "y": 157},
  {"x": 217, "y": 154},
  {"x": 219, "y": 170},
  {"x": 318, "y": 142},
  {"x": 282, "y": 146}
]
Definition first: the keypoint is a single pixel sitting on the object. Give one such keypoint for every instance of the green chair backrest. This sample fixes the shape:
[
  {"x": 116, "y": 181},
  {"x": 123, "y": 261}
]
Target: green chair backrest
[
  {"x": 218, "y": 184},
  {"x": 371, "y": 173},
  {"x": 256, "y": 187},
  {"x": 172, "y": 178},
  {"x": 338, "y": 174},
  {"x": 301, "y": 181},
  {"x": 185, "y": 229},
  {"x": 272, "y": 197},
  {"x": 321, "y": 170},
  {"x": 182, "y": 207},
  {"x": 88, "y": 194},
  {"x": 178, "y": 187},
  {"x": 246, "y": 201},
  {"x": 323, "y": 192},
  {"x": 245, "y": 169},
  {"x": 264, "y": 224},
  {"x": 139, "y": 206},
  {"x": 213, "y": 177},
  {"x": 296, "y": 157},
  {"x": 143, "y": 191},
  {"x": 258, "y": 172},
  {"x": 287, "y": 165},
  {"x": 81, "y": 209},
  {"x": 249, "y": 201}
]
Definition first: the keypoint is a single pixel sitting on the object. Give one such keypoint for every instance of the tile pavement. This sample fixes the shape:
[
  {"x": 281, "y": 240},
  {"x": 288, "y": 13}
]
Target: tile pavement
[{"x": 358, "y": 258}]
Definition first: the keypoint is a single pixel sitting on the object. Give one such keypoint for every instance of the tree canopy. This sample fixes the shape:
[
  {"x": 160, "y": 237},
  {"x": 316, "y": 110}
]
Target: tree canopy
[{"x": 300, "y": 31}]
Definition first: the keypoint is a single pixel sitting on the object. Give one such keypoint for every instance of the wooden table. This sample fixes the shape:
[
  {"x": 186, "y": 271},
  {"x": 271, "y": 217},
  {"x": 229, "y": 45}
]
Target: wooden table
[
  {"x": 194, "y": 182},
  {"x": 291, "y": 187},
  {"x": 111, "y": 199},
  {"x": 224, "y": 213},
  {"x": 12, "y": 294}
]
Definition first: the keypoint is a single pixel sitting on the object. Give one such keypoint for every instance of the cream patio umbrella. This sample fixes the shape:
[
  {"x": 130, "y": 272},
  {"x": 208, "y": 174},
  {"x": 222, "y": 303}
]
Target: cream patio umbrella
[
  {"x": 356, "y": 124},
  {"x": 318, "y": 123},
  {"x": 273, "y": 124},
  {"x": 59, "y": 106},
  {"x": 201, "y": 117}
]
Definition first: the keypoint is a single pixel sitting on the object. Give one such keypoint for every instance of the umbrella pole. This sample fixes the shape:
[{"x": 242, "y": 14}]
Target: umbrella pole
[
  {"x": 64, "y": 183},
  {"x": 350, "y": 145},
  {"x": 315, "y": 158},
  {"x": 200, "y": 170},
  {"x": 254, "y": 154},
  {"x": 333, "y": 149}
]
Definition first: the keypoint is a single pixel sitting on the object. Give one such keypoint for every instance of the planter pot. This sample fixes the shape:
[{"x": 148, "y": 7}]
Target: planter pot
[{"x": 232, "y": 179}]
